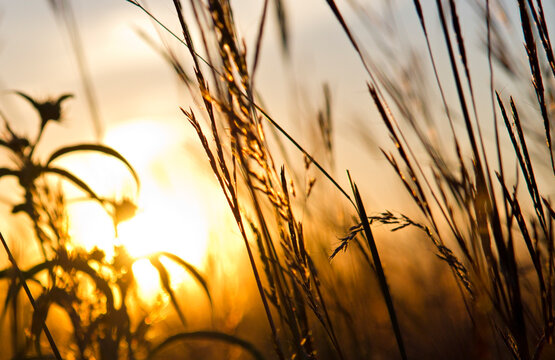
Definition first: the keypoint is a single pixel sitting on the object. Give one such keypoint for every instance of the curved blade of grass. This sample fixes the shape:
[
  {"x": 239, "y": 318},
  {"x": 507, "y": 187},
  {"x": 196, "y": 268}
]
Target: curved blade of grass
[
  {"x": 101, "y": 284},
  {"x": 64, "y": 300},
  {"x": 96, "y": 148},
  {"x": 166, "y": 285},
  {"x": 29, "y": 99},
  {"x": 208, "y": 335},
  {"x": 74, "y": 179},
  {"x": 193, "y": 271}
]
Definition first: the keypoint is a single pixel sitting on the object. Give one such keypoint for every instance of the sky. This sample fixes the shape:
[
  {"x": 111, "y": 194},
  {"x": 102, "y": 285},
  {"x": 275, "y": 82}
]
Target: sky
[
  {"x": 131, "y": 80},
  {"x": 133, "y": 84}
]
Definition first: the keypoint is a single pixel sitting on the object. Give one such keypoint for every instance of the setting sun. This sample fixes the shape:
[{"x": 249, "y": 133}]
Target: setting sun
[{"x": 167, "y": 219}]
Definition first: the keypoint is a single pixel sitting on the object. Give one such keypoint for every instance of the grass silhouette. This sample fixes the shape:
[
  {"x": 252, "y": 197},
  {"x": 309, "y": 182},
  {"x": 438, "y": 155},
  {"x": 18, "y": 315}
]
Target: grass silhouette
[{"x": 494, "y": 239}]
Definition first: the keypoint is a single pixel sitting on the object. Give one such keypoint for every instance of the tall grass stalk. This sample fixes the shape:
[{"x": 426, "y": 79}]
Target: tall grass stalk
[{"x": 465, "y": 197}]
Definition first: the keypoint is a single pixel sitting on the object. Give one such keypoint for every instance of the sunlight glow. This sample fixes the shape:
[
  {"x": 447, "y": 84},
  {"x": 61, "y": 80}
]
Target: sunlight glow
[
  {"x": 169, "y": 218},
  {"x": 149, "y": 282},
  {"x": 164, "y": 223}
]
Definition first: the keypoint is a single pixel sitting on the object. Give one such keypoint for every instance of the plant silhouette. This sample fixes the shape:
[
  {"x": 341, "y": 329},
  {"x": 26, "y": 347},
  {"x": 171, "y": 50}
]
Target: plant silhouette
[{"x": 94, "y": 291}]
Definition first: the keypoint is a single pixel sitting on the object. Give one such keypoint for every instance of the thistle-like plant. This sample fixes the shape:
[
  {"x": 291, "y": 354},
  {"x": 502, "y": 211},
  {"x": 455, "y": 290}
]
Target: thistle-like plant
[
  {"x": 29, "y": 170},
  {"x": 102, "y": 325}
]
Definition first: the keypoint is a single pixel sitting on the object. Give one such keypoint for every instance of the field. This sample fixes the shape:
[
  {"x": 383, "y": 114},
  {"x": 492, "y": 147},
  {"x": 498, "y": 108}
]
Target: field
[{"x": 314, "y": 180}]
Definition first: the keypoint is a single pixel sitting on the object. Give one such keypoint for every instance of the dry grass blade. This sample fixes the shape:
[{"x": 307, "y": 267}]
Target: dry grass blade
[
  {"x": 420, "y": 14},
  {"x": 258, "y": 45},
  {"x": 541, "y": 26},
  {"x": 193, "y": 271},
  {"x": 366, "y": 64},
  {"x": 417, "y": 193},
  {"x": 518, "y": 324},
  {"x": 306, "y": 153},
  {"x": 168, "y": 55},
  {"x": 343, "y": 24},
  {"x": 460, "y": 92},
  {"x": 281, "y": 15},
  {"x": 537, "y": 78},
  {"x": 523, "y": 157},
  {"x": 221, "y": 172},
  {"x": 72, "y": 178},
  {"x": 379, "y": 271},
  {"x": 489, "y": 28},
  {"x": 65, "y": 14},
  {"x": 460, "y": 41},
  {"x": 462, "y": 53},
  {"x": 528, "y": 170},
  {"x": 166, "y": 285}
]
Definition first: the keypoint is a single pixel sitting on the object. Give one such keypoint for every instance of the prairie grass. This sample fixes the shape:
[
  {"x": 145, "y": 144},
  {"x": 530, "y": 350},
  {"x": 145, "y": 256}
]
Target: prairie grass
[{"x": 472, "y": 274}]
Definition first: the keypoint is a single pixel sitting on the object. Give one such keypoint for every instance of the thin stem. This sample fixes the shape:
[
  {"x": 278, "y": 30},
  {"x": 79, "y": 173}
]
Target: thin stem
[{"x": 31, "y": 299}]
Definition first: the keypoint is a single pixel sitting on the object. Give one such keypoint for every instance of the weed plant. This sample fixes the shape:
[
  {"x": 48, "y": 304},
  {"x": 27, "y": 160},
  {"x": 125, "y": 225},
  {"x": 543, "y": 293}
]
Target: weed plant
[{"x": 96, "y": 293}]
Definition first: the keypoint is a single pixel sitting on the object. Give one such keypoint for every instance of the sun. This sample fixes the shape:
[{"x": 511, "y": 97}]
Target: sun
[
  {"x": 165, "y": 222},
  {"x": 170, "y": 216}
]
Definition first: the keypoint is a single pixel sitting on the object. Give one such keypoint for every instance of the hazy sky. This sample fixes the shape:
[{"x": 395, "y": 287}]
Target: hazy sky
[{"x": 132, "y": 82}]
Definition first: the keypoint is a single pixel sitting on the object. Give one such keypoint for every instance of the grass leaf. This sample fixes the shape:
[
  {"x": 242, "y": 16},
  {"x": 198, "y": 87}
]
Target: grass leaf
[
  {"x": 166, "y": 285},
  {"x": 193, "y": 271},
  {"x": 95, "y": 148},
  {"x": 207, "y": 335},
  {"x": 74, "y": 179}
]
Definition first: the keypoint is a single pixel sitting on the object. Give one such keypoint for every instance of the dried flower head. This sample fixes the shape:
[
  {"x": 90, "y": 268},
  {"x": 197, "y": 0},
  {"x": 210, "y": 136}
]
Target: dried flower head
[{"x": 48, "y": 109}]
